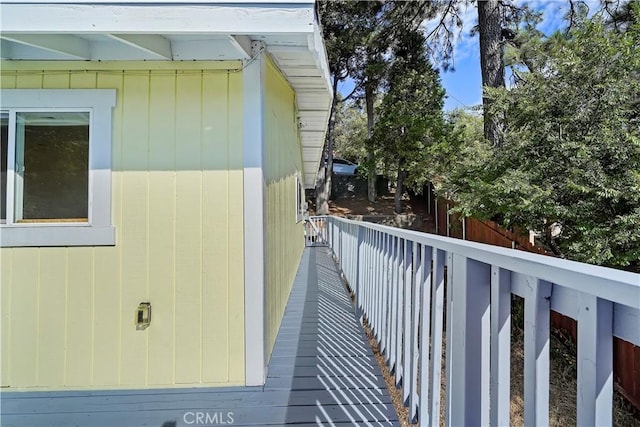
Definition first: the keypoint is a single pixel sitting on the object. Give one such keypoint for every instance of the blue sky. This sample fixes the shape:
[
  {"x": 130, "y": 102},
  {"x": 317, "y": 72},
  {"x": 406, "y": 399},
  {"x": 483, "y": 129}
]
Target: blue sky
[{"x": 464, "y": 85}]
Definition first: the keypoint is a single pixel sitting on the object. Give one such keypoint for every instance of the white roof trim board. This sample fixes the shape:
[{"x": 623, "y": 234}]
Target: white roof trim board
[{"x": 165, "y": 30}]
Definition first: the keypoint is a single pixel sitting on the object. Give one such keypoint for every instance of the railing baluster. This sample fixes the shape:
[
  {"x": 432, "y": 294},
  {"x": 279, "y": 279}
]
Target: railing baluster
[
  {"x": 372, "y": 284},
  {"x": 449, "y": 343},
  {"x": 437, "y": 323},
  {"x": 379, "y": 279},
  {"x": 500, "y": 346},
  {"x": 369, "y": 276},
  {"x": 406, "y": 327},
  {"x": 399, "y": 311},
  {"x": 386, "y": 327},
  {"x": 595, "y": 361},
  {"x": 536, "y": 352},
  {"x": 393, "y": 305},
  {"x": 468, "y": 399},
  {"x": 364, "y": 271},
  {"x": 419, "y": 267}
]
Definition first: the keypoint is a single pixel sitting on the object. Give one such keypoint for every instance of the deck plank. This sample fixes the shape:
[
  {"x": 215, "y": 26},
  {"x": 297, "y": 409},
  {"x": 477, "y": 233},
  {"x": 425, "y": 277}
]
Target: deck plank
[{"x": 322, "y": 372}]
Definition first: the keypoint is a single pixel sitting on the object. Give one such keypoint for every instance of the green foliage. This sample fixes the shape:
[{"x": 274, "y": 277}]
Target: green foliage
[
  {"x": 570, "y": 158},
  {"x": 410, "y": 115},
  {"x": 351, "y": 132}
]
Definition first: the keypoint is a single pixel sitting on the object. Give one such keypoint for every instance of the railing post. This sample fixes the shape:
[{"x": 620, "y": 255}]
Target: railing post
[
  {"x": 595, "y": 361},
  {"x": 500, "y": 346},
  {"x": 536, "y": 352},
  {"x": 468, "y": 354}
]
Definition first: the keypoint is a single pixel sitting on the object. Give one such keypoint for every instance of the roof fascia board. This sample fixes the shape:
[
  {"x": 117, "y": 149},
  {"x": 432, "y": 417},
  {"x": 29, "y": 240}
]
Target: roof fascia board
[
  {"x": 201, "y": 18},
  {"x": 212, "y": 2}
]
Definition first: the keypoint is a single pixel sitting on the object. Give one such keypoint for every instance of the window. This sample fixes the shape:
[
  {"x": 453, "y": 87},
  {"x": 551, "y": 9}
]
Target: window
[
  {"x": 56, "y": 164},
  {"x": 301, "y": 205}
]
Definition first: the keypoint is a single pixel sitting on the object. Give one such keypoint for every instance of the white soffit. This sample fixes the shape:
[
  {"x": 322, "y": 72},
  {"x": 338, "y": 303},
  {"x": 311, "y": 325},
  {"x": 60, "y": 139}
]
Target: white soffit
[{"x": 166, "y": 30}]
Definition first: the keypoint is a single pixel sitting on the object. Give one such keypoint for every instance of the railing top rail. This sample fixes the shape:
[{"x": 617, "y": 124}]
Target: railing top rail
[{"x": 618, "y": 286}]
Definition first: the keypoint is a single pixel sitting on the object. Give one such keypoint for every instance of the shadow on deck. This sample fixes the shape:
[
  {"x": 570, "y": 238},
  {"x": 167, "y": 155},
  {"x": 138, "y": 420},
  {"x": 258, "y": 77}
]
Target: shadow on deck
[{"x": 322, "y": 372}]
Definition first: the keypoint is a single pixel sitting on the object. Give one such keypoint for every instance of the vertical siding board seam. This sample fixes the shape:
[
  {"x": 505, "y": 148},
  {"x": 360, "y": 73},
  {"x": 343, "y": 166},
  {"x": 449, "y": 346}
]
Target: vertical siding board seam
[
  {"x": 93, "y": 311},
  {"x": 120, "y": 192},
  {"x": 148, "y": 238},
  {"x": 175, "y": 216},
  {"x": 66, "y": 313},
  {"x": 228, "y": 230},
  {"x": 38, "y": 321},
  {"x": 202, "y": 136},
  {"x": 9, "y": 351}
]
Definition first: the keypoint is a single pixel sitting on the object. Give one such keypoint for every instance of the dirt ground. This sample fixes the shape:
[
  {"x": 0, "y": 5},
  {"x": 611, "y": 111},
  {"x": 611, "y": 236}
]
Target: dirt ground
[{"x": 384, "y": 205}]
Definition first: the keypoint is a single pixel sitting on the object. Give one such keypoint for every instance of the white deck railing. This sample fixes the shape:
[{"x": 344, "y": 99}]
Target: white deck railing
[{"x": 398, "y": 277}]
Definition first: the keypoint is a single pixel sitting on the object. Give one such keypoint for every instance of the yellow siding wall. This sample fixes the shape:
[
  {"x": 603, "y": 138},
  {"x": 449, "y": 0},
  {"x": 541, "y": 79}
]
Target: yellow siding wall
[
  {"x": 68, "y": 313},
  {"x": 284, "y": 235}
]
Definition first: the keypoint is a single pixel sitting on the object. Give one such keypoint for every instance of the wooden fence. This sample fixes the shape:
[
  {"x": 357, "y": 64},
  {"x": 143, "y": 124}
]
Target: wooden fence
[{"x": 626, "y": 356}]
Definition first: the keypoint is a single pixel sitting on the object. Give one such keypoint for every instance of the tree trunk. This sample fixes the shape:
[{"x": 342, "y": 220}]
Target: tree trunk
[
  {"x": 324, "y": 177},
  {"x": 371, "y": 170},
  {"x": 322, "y": 203},
  {"x": 489, "y": 28},
  {"x": 402, "y": 174}
]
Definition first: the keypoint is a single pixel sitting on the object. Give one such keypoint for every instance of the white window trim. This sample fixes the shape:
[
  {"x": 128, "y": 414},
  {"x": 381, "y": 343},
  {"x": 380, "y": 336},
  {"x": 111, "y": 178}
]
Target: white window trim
[
  {"x": 300, "y": 198},
  {"x": 98, "y": 231}
]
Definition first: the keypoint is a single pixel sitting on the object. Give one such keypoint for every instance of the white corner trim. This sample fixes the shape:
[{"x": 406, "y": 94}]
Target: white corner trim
[{"x": 253, "y": 77}]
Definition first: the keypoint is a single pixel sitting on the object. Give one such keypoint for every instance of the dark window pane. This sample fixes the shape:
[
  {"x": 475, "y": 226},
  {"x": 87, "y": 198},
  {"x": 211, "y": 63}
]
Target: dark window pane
[{"x": 55, "y": 178}]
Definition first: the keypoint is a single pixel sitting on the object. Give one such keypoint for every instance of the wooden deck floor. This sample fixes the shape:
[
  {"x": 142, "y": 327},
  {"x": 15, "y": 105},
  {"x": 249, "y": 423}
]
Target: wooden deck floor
[{"x": 322, "y": 372}]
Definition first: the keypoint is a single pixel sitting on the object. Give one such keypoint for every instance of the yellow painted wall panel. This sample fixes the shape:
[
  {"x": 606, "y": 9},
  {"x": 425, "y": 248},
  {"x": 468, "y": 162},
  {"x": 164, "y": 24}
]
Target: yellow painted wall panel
[
  {"x": 134, "y": 224},
  {"x": 188, "y": 277},
  {"x": 83, "y": 81},
  {"x": 5, "y": 315},
  {"x": 29, "y": 81},
  {"x": 115, "y": 81},
  {"x": 284, "y": 235},
  {"x": 106, "y": 314},
  {"x": 52, "y": 302},
  {"x": 79, "y": 320},
  {"x": 177, "y": 209},
  {"x": 108, "y": 260},
  {"x": 162, "y": 197},
  {"x": 24, "y": 317},
  {"x": 56, "y": 81},
  {"x": 215, "y": 222},
  {"x": 236, "y": 224},
  {"x": 188, "y": 230},
  {"x": 161, "y": 277},
  {"x": 8, "y": 80}
]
